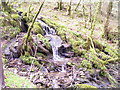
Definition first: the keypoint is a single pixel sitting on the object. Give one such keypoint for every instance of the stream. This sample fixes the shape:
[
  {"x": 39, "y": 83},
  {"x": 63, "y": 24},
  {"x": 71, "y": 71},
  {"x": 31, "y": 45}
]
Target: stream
[
  {"x": 55, "y": 42},
  {"x": 57, "y": 73}
]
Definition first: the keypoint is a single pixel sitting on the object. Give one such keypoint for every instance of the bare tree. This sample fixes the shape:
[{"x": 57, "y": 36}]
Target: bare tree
[
  {"x": 69, "y": 8},
  {"x": 5, "y": 6},
  {"x": 95, "y": 18},
  {"x": 60, "y": 4},
  {"x": 109, "y": 10},
  {"x": 90, "y": 11},
  {"x": 83, "y": 12},
  {"x": 77, "y": 5},
  {"x": 2, "y": 84}
]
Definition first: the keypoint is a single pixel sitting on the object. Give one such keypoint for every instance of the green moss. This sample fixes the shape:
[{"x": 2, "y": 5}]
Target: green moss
[
  {"x": 15, "y": 16},
  {"x": 111, "y": 51},
  {"x": 4, "y": 60},
  {"x": 13, "y": 34},
  {"x": 103, "y": 56},
  {"x": 37, "y": 28},
  {"x": 5, "y": 22},
  {"x": 29, "y": 60},
  {"x": 86, "y": 64},
  {"x": 84, "y": 86},
  {"x": 99, "y": 45},
  {"x": 61, "y": 30},
  {"x": 10, "y": 32},
  {"x": 14, "y": 81},
  {"x": 26, "y": 18},
  {"x": 14, "y": 23},
  {"x": 40, "y": 54}
]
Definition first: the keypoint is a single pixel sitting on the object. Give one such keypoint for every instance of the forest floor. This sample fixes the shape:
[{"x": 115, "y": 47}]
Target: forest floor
[{"x": 50, "y": 74}]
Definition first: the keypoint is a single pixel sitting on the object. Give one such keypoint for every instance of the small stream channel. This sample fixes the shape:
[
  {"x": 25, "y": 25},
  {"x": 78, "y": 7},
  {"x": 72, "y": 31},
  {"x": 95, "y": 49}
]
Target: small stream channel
[
  {"x": 73, "y": 75},
  {"x": 54, "y": 40}
]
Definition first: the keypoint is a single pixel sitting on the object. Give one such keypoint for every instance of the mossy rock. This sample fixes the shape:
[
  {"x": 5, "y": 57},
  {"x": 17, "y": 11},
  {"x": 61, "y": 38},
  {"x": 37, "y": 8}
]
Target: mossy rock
[
  {"x": 14, "y": 23},
  {"x": 13, "y": 34},
  {"x": 5, "y": 22},
  {"x": 86, "y": 64},
  {"x": 26, "y": 18},
  {"x": 45, "y": 41},
  {"x": 37, "y": 28},
  {"x": 10, "y": 32},
  {"x": 111, "y": 51},
  {"x": 40, "y": 54},
  {"x": 76, "y": 46},
  {"x": 4, "y": 60},
  {"x": 103, "y": 56},
  {"x": 97, "y": 62},
  {"x": 15, "y": 16},
  {"x": 29, "y": 60},
  {"x": 14, "y": 81},
  {"x": 84, "y": 86},
  {"x": 61, "y": 30}
]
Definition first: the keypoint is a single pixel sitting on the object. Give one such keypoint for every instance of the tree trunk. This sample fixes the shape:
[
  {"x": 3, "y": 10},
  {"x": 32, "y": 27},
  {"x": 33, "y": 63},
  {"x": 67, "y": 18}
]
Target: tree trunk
[
  {"x": 69, "y": 8},
  {"x": 77, "y": 5},
  {"x": 30, "y": 28},
  {"x": 90, "y": 12},
  {"x": 109, "y": 10},
  {"x": 94, "y": 18},
  {"x": 4, "y": 5},
  {"x": 83, "y": 11},
  {"x": 2, "y": 84},
  {"x": 60, "y": 6},
  {"x": 100, "y": 8}
]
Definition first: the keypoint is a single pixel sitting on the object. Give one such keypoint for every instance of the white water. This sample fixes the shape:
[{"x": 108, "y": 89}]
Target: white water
[{"x": 55, "y": 40}]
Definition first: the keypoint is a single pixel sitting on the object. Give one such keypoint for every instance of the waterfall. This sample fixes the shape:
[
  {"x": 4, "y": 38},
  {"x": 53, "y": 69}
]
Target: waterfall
[{"x": 55, "y": 40}]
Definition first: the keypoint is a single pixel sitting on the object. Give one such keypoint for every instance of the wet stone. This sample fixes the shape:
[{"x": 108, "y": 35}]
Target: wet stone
[
  {"x": 81, "y": 73},
  {"x": 23, "y": 73}
]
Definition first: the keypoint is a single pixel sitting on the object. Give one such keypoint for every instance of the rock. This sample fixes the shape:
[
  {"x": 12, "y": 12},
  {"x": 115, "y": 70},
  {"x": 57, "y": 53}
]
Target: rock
[
  {"x": 66, "y": 45},
  {"x": 81, "y": 73},
  {"x": 14, "y": 52},
  {"x": 23, "y": 73},
  {"x": 83, "y": 80},
  {"x": 64, "y": 50},
  {"x": 42, "y": 49},
  {"x": 68, "y": 54}
]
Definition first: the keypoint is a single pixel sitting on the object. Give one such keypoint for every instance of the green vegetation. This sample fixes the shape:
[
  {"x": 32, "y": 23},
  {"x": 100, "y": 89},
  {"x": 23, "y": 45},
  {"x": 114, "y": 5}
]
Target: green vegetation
[
  {"x": 30, "y": 60},
  {"x": 14, "y": 81},
  {"x": 84, "y": 86},
  {"x": 10, "y": 32},
  {"x": 37, "y": 28},
  {"x": 86, "y": 64}
]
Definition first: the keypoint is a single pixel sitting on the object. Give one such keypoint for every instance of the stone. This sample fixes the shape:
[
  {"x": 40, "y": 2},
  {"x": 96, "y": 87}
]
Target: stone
[
  {"x": 81, "y": 73},
  {"x": 66, "y": 45}
]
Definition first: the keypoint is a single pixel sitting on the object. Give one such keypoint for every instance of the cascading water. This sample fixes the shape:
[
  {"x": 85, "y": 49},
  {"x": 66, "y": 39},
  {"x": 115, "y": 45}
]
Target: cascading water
[{"x": 55, "y": 40}]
